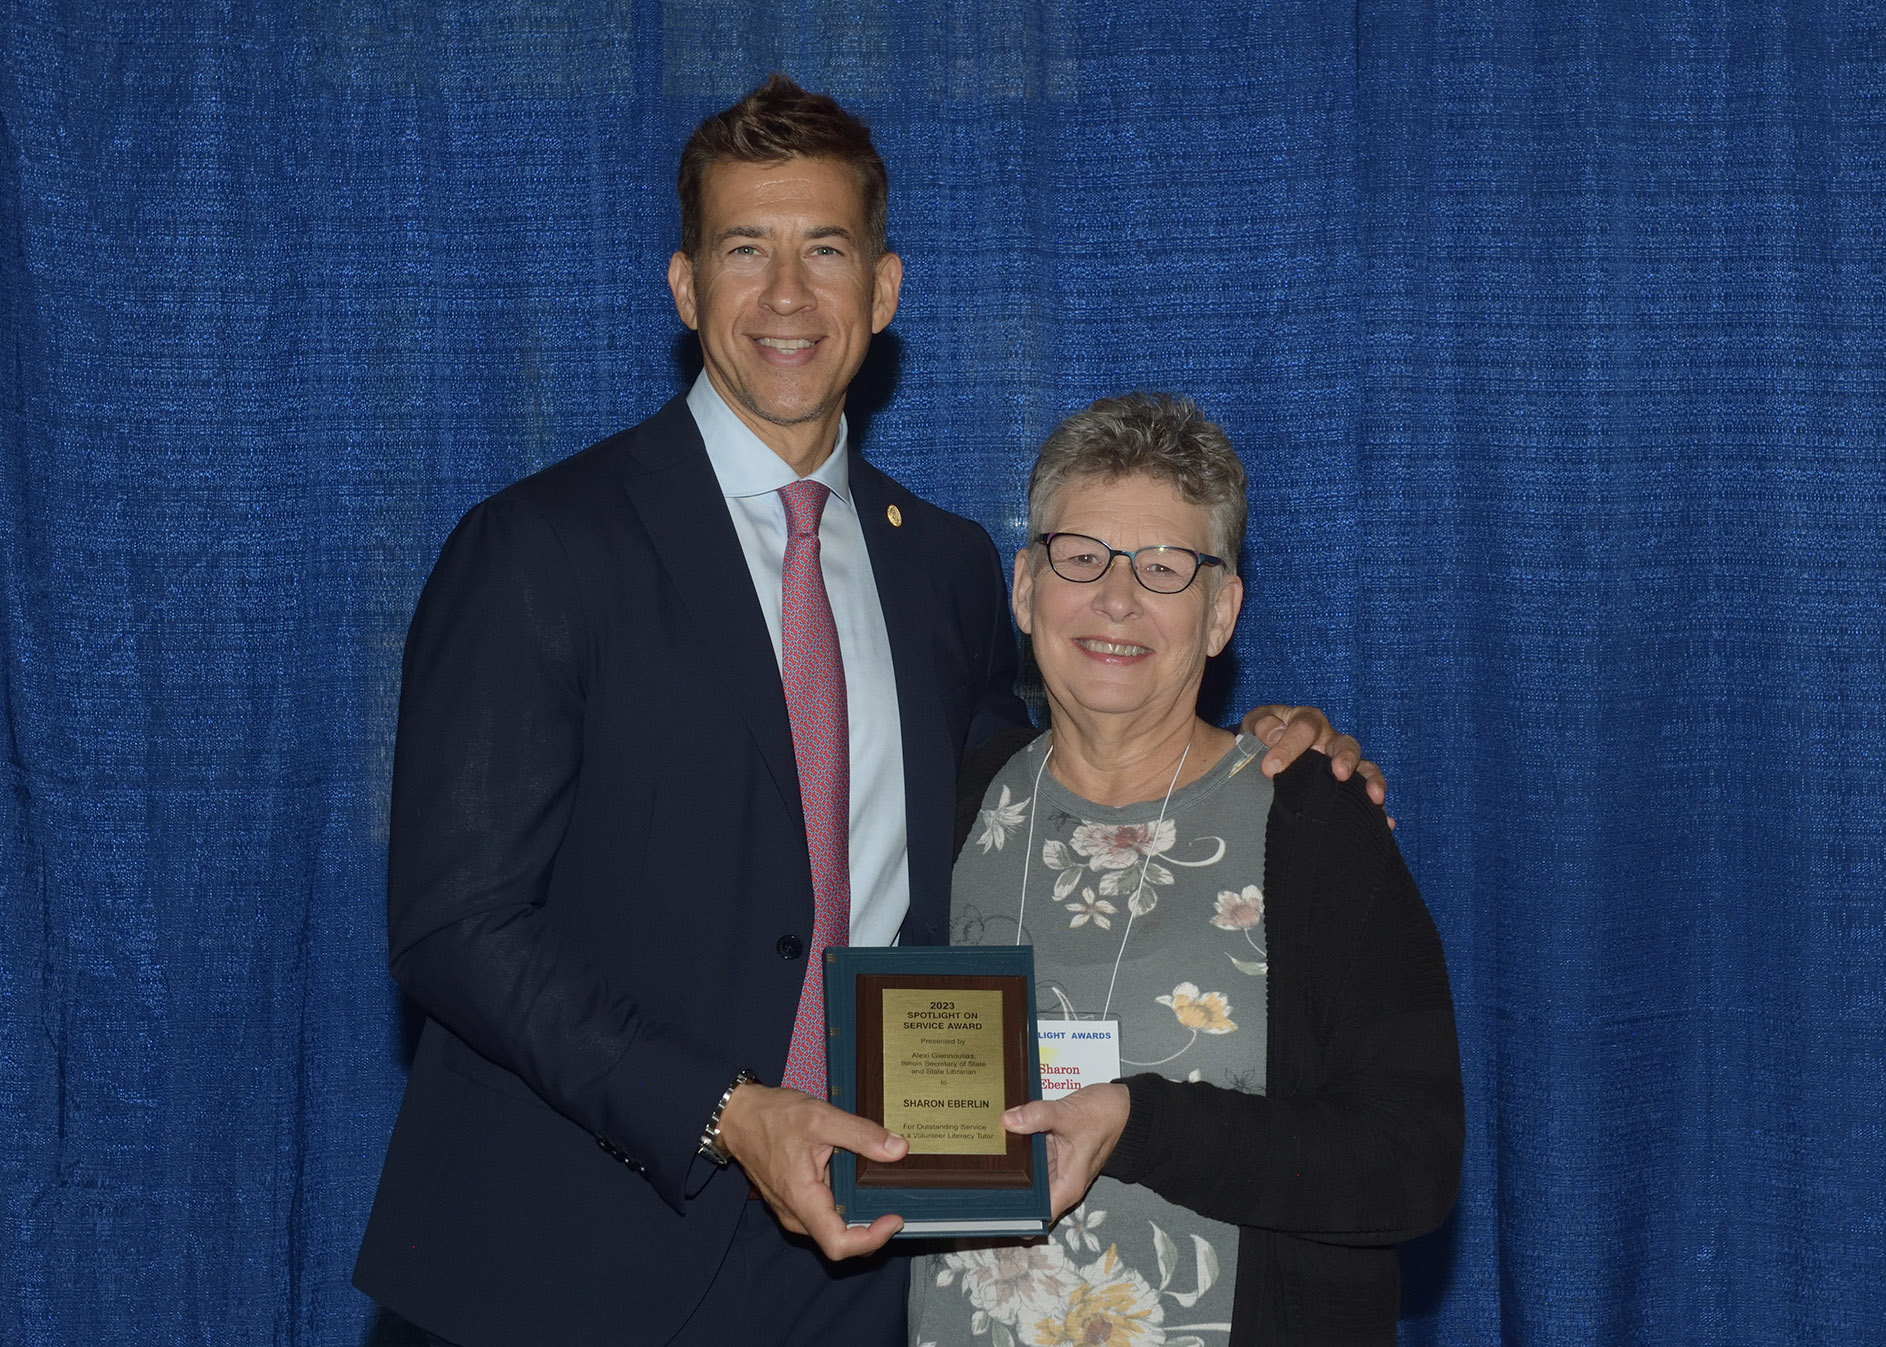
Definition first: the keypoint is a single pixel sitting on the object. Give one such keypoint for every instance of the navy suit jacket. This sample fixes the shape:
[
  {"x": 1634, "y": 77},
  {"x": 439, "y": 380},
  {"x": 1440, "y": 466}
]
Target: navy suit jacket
[{"x": 598, "y": 888}]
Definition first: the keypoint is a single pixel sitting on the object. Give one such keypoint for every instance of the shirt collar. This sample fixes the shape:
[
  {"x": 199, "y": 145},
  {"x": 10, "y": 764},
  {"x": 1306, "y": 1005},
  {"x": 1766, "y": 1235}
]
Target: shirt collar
[{"x": 743, "y": 464}]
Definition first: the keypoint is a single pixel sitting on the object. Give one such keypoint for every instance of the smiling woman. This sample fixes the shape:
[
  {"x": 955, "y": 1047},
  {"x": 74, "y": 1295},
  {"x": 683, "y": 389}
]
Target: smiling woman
[
  {"x": 1121, "y": 660},
  {"x": 1278, "y": 987}
]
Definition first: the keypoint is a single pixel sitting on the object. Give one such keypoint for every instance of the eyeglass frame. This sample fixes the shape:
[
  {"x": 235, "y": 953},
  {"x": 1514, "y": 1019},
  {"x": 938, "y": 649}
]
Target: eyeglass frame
[{"x": 1203, "y": 560}]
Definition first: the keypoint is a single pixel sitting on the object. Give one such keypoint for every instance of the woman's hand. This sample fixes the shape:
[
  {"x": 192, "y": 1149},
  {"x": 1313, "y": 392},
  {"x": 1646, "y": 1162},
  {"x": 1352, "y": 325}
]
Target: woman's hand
[{"x": 1082, "y": 1129}]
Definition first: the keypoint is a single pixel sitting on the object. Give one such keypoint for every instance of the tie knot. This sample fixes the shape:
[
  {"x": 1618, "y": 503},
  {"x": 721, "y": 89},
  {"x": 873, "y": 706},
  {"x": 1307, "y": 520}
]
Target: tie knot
[{"x": 805, "y": 502}]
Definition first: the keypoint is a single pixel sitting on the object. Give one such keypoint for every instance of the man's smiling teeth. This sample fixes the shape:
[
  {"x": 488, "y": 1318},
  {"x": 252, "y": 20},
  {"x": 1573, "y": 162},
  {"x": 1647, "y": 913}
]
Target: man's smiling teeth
[
  {"x": 785, "y": 343},
  {"x": 1112, "y": 648}
]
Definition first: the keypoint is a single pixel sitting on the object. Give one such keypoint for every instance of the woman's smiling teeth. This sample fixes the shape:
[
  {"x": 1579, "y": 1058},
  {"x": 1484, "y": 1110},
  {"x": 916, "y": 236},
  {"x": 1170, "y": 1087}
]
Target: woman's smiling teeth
[{"x": 1100, "y": 647}]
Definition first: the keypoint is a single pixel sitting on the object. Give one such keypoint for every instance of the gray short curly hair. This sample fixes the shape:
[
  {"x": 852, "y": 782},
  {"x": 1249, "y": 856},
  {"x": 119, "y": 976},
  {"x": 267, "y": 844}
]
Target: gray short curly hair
[{"x": 1154, "y": 435}]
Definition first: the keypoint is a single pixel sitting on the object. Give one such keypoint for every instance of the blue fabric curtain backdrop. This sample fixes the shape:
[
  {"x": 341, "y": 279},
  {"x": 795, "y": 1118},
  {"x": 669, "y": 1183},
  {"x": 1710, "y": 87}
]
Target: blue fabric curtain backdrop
[{"x": 1551, "y": 332}]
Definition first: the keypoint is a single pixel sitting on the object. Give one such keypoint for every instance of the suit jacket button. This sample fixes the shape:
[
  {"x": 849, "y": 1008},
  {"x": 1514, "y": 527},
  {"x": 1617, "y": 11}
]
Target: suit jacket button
[{"x": 789, "y": 946}]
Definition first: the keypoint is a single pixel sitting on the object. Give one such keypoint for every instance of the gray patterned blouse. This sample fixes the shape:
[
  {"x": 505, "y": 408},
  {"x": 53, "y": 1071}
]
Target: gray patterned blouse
[{"x": 1151, "y": 914}]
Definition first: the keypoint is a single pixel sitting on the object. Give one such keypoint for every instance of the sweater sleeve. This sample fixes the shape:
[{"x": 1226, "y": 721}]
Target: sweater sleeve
[{"x": 1359, "y": 1139}]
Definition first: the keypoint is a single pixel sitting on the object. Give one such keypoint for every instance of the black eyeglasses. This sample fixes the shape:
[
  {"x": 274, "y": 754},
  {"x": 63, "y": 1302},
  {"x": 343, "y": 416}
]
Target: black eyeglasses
[{"x": 1163, "y": 570}]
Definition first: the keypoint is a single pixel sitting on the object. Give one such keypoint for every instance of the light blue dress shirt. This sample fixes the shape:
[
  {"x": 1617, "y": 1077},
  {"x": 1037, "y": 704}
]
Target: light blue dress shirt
[{"x": 750, "y": 476}]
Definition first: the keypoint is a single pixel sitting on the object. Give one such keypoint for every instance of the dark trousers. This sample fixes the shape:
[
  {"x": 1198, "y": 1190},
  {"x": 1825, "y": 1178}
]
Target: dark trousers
[{"x": 775, "y": 1290}]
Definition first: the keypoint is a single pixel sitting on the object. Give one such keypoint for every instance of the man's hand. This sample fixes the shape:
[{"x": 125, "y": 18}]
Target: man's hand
[
  {"x": 784, "y": 1140},
  {"x": 1082, "y": 1129},
  {"x": 1288, "y": 730}
]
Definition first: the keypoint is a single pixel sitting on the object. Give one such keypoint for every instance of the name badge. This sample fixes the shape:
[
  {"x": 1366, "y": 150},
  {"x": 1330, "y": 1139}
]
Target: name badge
[{"x": 1076, "y": 1053}]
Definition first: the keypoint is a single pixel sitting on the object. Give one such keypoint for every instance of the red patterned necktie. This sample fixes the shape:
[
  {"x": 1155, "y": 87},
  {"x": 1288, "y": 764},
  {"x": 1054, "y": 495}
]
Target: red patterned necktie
[{"x": 821, "y": 742}]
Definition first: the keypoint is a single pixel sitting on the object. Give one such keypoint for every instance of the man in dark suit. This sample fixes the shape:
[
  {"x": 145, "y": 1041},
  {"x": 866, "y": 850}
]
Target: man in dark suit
[{"x": 660, "y": 729}]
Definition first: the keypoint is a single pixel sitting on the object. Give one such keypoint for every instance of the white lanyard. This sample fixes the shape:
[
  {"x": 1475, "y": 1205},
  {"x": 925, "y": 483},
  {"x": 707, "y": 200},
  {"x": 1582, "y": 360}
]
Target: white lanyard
[{"x": 1132, "y": 906}]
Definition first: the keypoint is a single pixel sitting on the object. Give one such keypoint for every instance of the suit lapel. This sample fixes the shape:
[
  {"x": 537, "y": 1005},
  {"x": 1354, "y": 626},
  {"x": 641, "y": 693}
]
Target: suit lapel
[
  {"x": 903, "y": 584},
  {"x": 677, "y": 497}
]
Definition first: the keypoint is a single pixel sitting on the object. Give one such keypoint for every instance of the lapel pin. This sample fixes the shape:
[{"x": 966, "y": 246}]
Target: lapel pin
[{"x": 895, "y": 515}]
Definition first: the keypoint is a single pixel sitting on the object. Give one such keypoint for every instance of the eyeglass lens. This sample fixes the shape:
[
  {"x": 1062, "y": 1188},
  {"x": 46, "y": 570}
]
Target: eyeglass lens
[{"x": 1164, "y": 570}]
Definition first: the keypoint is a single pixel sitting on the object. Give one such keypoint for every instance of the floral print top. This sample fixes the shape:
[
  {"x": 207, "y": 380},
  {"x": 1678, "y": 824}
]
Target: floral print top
[{"x": 1158, "y": 922}]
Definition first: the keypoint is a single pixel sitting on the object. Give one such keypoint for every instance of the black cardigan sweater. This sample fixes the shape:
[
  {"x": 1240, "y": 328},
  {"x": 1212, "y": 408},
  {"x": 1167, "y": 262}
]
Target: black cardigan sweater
[{"x": 1356, "y": 1145}]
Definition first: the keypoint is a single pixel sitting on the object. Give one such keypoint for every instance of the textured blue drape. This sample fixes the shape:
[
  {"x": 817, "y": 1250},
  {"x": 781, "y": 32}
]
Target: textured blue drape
[{"x": 1552, "y": 333}]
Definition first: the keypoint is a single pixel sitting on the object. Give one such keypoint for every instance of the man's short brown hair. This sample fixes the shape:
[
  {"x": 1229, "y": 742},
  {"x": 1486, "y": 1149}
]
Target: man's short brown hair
[{"x": 776, "y": 122}]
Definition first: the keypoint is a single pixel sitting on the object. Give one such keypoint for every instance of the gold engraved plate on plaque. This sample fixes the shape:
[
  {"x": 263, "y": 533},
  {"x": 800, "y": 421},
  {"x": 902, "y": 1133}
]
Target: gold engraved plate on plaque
[{"x": 943, "y": 1070}]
